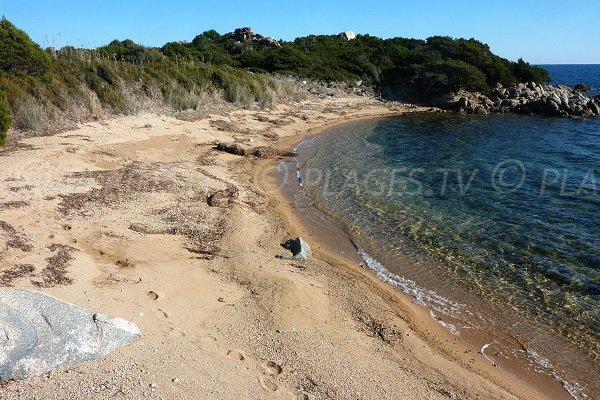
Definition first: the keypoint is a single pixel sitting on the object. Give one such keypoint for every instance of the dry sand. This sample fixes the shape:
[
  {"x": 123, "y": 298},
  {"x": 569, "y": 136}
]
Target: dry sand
[{"x": 114, "y": 216}]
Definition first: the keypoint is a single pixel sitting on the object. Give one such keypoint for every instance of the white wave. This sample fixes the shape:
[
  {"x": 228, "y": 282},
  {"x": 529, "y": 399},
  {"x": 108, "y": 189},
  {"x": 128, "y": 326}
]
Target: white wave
[
  {"x": 450, "y": 327},
  {"x": 424, "y": 297},
  {"x": 571, "y": 387}
]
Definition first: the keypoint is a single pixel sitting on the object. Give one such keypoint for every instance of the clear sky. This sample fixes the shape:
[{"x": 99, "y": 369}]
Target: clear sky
[{"x": 540, "y": 31}]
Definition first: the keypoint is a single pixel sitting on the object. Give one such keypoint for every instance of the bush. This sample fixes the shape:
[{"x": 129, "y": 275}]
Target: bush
[
  {"x": 30, "y": 114},
  {"x": 19, "y": 54},
  {"x": 5, "y": 119}
]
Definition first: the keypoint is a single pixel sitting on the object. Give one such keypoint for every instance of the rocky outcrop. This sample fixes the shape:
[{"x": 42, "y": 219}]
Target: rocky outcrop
[
  {"x": 41, "y": 333},
  {"x": 524, "y": 98},
  {"x": 348, "y": 35},
  {"x": 582, "y": 87},
  {"x": 247, "y": 35}
]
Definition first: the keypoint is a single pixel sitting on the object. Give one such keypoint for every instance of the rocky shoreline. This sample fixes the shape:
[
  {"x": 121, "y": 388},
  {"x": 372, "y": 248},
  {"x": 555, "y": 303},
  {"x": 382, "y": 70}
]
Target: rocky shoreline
[{"x": 523, "y": 98}]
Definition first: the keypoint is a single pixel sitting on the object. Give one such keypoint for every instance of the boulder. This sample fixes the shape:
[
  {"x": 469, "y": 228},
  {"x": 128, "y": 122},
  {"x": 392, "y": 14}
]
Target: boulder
[
  {"x": 232, "y": 148},
  {"x": 299, "y": 248},
  {"x": 243, "y": 34},
  {"x": 581, "y": 87},
  {"x": 481, "y": 110},
  {"x": 269, "y": 41},
  {"x": 348, "y": 35},
  {"x": 42, "y": 333}
]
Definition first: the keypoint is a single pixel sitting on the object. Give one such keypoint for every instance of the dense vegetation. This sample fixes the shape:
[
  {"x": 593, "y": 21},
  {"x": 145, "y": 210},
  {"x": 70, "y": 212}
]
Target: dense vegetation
[
  {"x": 5, "y": 119},
  {"x": 436, "y": 65},
  {"x": 45, "y": 86}
]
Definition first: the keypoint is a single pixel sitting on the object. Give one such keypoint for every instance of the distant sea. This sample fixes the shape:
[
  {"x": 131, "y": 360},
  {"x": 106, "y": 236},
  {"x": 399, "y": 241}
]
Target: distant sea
[
  {"x": 571, "y": 75},
  {"x": 492, "y": 221}
]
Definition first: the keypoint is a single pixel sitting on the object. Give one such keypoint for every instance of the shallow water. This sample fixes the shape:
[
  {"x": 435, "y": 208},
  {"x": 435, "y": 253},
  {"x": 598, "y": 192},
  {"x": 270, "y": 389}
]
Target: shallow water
[{"x": 493, "y": 220}]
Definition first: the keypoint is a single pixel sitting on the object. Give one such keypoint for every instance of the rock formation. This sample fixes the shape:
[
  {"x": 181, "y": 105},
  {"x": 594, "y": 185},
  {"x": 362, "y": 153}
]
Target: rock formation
[
  {"x": 41, "y": 333},
  {"x": 348, "y": 35},
  {"x": 524, "y": 98},
  {"x": 247, "y": 35}
]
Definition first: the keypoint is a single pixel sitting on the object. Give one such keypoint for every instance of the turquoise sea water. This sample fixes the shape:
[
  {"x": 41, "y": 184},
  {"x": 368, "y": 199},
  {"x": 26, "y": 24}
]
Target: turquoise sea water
[{"x": 495, "y": 217}]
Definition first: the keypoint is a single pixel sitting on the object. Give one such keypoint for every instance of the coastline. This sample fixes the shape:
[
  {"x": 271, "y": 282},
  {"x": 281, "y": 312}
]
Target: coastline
[
  {"x": 221, "y": 317},
  {"x": 336, "y": 246}
]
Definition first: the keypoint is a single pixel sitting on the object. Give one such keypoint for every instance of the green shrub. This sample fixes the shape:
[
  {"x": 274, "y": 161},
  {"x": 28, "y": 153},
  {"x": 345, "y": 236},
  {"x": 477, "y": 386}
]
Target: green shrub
[
  {"x": 5, "y": 119},
  {"x": 19, "y": 54}
]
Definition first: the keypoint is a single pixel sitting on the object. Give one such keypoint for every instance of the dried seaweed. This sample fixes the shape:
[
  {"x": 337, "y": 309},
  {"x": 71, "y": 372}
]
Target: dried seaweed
[
  {"x": 55, "y": 272},
  {"x": 18, "y": 271}
]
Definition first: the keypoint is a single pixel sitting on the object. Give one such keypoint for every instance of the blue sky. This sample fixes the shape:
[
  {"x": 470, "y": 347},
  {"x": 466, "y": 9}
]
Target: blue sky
[{"x": 540, "y": 31}]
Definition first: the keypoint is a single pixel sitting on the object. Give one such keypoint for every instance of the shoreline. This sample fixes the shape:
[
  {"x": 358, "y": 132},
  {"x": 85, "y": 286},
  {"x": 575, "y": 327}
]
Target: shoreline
[
  {"x": 129, "y": 197},
  {"x": 334, "y": 243}
]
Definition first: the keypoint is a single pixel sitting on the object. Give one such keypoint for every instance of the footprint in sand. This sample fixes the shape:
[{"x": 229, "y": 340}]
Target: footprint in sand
[
  {"x": 271, "y": 368},
  {"x": 236, "y": 355},
  {"x": 267, "y": 384},
  {"x": 174, "y": 331},
  {"x": 152, "y": 295}
]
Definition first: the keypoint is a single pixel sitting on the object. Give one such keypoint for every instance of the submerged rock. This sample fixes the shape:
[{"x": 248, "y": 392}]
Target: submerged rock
[
  {"x": 581, "y": 87},
  {"x": 299, "y": 248},
  {"x": 41, "y": 333}
]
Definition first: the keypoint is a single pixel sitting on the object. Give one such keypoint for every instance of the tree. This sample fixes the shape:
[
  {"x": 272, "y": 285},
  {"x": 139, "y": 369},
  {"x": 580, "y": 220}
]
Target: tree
[
  {"x": 528, "y": 73},
  {"x": 5, "y": 119},
  {"x": 19, "y": 54}
]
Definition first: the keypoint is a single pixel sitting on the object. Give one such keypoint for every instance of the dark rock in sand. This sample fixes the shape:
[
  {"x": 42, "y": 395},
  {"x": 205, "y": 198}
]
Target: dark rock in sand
[
  {"x": 259, "y": 151},
  {"x": 41, "y": 333},
  {"x": 232, "y": 148},
  {"x": 299, "y": 248}
]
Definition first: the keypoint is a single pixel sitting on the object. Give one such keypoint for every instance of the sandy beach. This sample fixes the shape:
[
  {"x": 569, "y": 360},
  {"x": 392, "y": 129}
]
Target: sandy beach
[{"x": 115, "y": 216}]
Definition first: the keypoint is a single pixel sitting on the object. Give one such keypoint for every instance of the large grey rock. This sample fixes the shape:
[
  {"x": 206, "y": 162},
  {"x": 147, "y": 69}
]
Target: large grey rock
[
  {"x": 40, "y": 333},
  {"x": 299, "y": 248},
  {"x": 348, "y": 35}
]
